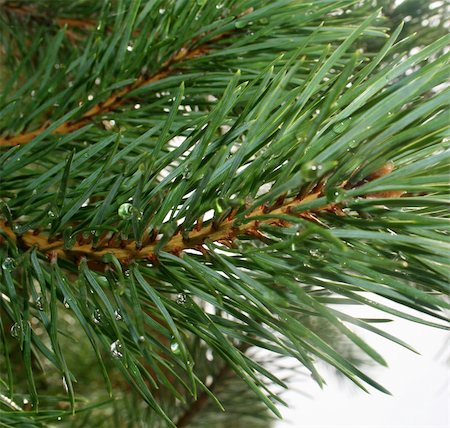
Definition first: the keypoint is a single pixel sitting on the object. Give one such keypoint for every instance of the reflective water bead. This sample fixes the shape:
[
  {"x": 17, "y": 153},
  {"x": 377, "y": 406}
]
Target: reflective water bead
[
  {"x": 181, "y": 299},
  {"x": 15, "y": 330},
  {"x": 311, "y": 170},
  {"x": 125, "y": 211},
  {"x": 109, "y": 124},
  {"x": 40, "y": 304},
  {"x": 118, "y": 315},
  {"x": 340, "y": 127},
  {"x": 315, "y": 253},
  {"x": 353, "y": 143},
  {"x": 335, "y": 195},
  {"x": 9, "y": 264},
  {"x": 175, "y": 347},
  {"x": 116, "y": 349},
  {"x": 97, "y": 316}
]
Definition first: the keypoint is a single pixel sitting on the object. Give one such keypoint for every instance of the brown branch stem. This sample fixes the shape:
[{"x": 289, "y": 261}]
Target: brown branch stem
[
  {"x": 227, "y": 231},
  {"x": 117, "y": 98},
  {"x": 198, "y": 405},
  {"x": 33, "y": 13}
]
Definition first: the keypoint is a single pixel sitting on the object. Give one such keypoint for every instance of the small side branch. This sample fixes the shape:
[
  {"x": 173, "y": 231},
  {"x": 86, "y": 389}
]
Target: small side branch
[
  {"x": 226, "y": 231},
  {"x": 118, "y": 98}
]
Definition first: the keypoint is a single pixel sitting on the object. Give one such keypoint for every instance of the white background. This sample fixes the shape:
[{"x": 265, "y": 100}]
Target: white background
[{"x": 420, "y": 385}]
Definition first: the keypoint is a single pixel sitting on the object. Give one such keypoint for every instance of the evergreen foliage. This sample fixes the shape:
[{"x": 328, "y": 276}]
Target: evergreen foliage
[{"x": 192, "y": 191}]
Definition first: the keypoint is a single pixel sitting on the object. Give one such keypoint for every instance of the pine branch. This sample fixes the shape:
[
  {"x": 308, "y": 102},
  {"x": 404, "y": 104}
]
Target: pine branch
[
  {"x": 116, "y": 99},
  {"x": 299, "y": 135},
  {"x": 227, "y": 231},
  {"x": 198, "y": 405},
  {"x": 30, "y": 12}
]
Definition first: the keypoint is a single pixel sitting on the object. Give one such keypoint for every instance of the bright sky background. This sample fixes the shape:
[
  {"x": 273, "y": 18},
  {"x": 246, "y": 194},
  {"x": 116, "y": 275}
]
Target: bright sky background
[{"x": 420, "y": 385}]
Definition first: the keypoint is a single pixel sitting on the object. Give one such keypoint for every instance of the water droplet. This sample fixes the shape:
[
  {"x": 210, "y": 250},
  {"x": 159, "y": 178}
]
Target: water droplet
[
  {"x": 15, "y": 330},
  {"x": 141, "y": 339},
  {"x": 127, "y": 273},
  {"x": 109, "y": 124},
  {"x": 59, "y": 418},
  {"x": 51, "y": 214},
  {"x": 129, "y": 48},
  {"x": 340, "y": 127},
  {"x": 97, "y": 316},
  {"x": 25, "y": 401},
  {"x": 66, "y": 303},
  {"x": 40, "y": 304},
  {"x": 162, "y": 11},
  {"x": 137, "y": 106},
  {"x": 118, "y": 315},
  {"x": 240, "y": 24},
  {"x": 90, "y": 97},
  {"x": 293, "y": 247},
  {"x": 353, "y": 144},
  {"x": 264, "y": 21},
  {"x": 315, "y": 253},
  {"x": 181, "y": 299},
  {"x": 335, "y": 195},
  {"x": 311, "y": 170},
  {"x": 116, "y": 349},
  {"x": 219, "y": 6},
  {"x": 125, "y": 211},
  {"x": 175, "y": 347},
  {"x": 98, "y": 81},
  {"x": 9, "y": 264},
  {"x": 33, "y": 93}
]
